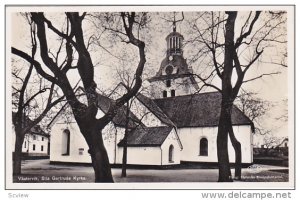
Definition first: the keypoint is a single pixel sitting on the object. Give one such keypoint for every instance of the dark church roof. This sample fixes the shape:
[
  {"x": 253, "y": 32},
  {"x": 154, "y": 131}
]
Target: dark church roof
[
  {"x": 198, "y": 110},
  {"x": 147, "y": 136},
  {"x": 151, "y": 105},
  {"x": 120, "y": 118}
]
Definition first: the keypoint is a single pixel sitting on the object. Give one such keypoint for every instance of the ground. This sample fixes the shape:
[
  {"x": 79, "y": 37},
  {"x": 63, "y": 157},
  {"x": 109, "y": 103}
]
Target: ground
[{"x": 42, "y": 171}]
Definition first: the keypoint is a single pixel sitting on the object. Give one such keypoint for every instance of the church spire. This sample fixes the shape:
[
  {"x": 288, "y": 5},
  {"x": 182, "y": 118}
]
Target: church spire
[{"x": 174, "y": 40}]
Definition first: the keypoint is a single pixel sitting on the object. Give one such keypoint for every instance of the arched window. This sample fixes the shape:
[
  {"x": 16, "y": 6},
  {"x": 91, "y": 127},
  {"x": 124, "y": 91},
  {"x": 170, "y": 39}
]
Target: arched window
[
  {"x": 203, "y": 147},
  {"x": 165, "y": 94},
  {"x": 171, "y": 153},
  {"x": 66, "y": 142}
]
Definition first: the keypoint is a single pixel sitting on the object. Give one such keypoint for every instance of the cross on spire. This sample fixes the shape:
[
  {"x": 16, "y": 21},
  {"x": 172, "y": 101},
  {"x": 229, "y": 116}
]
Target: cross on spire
[{"x": 175, "y": 21}]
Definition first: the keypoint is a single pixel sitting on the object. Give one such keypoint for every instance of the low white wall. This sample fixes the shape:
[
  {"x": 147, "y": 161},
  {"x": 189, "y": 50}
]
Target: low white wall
[
  {"x": 141, "y": 155},
  {"x": 190, "y": 138}
]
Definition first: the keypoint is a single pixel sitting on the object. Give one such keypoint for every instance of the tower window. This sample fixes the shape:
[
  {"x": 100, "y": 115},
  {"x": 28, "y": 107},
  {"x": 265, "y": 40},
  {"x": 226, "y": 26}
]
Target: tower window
[
  {"x": 172, "y": 93},
  {"x": 168, "y": 83},
  {"x": 33, "y": 147},
  {"x": 42, "y": 148},
  {"x": 165, "y": 94}
]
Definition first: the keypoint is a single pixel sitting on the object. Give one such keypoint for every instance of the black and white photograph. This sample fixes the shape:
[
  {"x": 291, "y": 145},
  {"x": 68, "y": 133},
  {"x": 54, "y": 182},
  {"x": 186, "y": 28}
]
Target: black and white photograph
[{"x": 150, "y": 97}]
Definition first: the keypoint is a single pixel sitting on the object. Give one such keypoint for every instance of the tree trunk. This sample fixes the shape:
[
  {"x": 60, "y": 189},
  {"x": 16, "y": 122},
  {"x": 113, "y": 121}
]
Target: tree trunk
[
  {"x": 17, "y": 156},
  {"x": 238, "y": 154},
  {"x": 99, "y": 158},
  {"x": 222, "y": 143},
  {"x": 124, "y": 160}
]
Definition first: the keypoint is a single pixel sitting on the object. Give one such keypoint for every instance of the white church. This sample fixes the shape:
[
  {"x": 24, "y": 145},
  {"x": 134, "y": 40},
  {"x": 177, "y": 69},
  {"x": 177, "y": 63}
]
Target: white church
[{"x": 177, "y": 125}]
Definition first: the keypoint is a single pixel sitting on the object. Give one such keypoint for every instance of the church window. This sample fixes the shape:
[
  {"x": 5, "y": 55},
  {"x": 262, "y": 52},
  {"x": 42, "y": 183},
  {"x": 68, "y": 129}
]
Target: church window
[
  {"x": 25, "y": 144},
  {"x": 203, "y": 147},
  {"x": 66, "y": 142},
  {"x": 165, "y": 94},
  {"x": 33, "y": 147},
  {"x": 168, "y": 83},
  {"x": 172, "y": 93},
  {"x": 171, "y": 153},
  {"x": 42, "y": 148},
  {"x": 34, "y": 137}
]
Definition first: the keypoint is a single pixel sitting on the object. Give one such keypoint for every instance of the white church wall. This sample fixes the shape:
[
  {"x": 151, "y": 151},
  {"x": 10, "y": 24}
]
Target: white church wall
[
  {"x": 141, "y": 155},
  {"x": 171, "y": 140},
  {"x": 245, "y": 137},
  {"x": 78, "y": 148},
  {"x": 190, "y": 138}
]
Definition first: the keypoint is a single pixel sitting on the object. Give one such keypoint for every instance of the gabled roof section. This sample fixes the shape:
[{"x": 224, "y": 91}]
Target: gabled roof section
[
  {"x": 198, "y": 110},
  {"x": 147, "y": 136},
  {"x": 151, "y": 105},
  {"x": 104, "y": 104}
]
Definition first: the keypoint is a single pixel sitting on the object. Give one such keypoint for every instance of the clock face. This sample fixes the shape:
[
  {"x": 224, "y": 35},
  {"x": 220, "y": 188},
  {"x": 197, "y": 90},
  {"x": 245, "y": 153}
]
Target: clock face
[
  {"x": 169, "y": 69},
  {"x": 170, "y": 57}
]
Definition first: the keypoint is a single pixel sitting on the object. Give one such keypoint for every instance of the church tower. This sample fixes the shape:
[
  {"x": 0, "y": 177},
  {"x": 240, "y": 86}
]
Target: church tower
[{"x": 174, "y": 77}]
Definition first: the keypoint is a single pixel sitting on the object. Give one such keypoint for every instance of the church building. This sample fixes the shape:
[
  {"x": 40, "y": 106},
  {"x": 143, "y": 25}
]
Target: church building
[{"x": 177, "y": 124}]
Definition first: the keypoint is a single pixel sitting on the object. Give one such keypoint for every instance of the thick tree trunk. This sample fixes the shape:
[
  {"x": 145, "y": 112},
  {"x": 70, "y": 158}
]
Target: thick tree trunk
[
  {"x": 17, "y": 156},
  {"x": 238, "y": 154},
  {"x": 222, "y": 143},
  {"x": 99, "y": 158}
]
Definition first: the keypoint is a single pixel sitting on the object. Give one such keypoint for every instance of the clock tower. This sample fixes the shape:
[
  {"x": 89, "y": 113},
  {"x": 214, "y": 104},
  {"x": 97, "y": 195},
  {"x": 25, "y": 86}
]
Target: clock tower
[{"x": 174, "y": 77}]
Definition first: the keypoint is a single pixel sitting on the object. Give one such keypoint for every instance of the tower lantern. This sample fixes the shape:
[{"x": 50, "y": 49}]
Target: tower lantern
[{"x": 174, "y": 41}]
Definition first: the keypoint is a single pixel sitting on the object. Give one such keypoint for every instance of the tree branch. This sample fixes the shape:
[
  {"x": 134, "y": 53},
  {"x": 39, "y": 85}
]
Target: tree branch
[
  {"x": 36, "y": 64},
  {"x": 260, "y": 76}
]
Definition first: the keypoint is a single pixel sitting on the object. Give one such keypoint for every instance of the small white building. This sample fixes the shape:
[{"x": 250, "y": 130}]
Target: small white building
[
  {"x": 36, "y": 142},
  {"x": 176, "y": 124}
]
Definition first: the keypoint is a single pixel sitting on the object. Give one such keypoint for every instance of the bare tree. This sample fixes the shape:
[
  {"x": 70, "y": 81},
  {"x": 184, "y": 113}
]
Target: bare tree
[
  {"x": 255, "y": 108},
  {"x": 27, "y": 113},
  {"x": 231, "y": 51},
  {"x": 270, "y": 142},
  {"x": 85, "y": 115}
]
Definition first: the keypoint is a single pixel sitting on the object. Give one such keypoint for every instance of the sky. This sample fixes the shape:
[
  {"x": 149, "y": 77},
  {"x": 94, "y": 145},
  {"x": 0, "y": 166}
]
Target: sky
[{"x": 271, "y": 88}]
